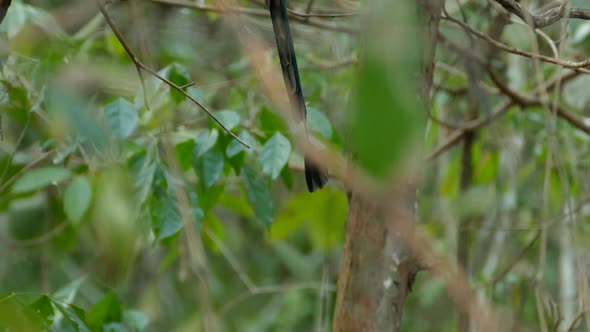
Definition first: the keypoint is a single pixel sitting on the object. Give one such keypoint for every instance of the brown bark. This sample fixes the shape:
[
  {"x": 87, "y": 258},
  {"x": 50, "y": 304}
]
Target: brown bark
[{"x": 377, "y": 269}]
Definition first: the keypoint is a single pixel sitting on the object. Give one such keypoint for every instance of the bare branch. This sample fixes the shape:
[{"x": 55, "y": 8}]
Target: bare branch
[
  {"x": 577, "y": 65},
  {"x": 546, "y": 18}
]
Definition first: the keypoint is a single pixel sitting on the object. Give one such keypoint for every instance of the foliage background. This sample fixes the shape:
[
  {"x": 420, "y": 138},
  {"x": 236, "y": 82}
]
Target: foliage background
[{"x": 93, "y": 233}]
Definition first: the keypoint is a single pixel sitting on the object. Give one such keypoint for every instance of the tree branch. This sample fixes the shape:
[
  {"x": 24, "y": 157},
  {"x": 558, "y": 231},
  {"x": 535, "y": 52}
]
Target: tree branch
[{"x": 546, "y": 18}]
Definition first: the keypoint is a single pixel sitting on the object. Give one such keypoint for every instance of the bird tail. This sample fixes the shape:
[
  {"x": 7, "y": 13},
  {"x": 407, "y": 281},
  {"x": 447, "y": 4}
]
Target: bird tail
[{"x": 315, "y": 177}]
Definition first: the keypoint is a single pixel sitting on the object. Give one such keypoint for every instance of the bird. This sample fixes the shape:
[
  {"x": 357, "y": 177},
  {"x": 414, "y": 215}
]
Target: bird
[{"x": 315, "y": 177}]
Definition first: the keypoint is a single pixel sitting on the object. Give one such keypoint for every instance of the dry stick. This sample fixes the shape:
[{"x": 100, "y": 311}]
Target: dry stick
[
  {"x": 577, "y": 65},
  {"x": 515, "y": 99},
  {"x": 139, "y": 66},
  {"x": 548, "y": 17}
]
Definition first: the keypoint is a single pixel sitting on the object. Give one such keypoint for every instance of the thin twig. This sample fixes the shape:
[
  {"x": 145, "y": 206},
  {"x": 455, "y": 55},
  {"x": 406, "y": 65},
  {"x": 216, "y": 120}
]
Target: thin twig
[
  {"x": 139, "y": 65},
  {"x": 578, "y": 65}
]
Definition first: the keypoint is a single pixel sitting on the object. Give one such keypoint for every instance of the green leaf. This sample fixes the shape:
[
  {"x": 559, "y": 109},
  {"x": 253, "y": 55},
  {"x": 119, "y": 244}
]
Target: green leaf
[
  {"x": 142, "y": 168},
  {"x": 386, "y": 119},
  {"x": 15, "y": 316},
  {"x": 40, "y": 177},
  {"x": 230, "y": 119},
  {"x": 259, "y": 195},
  {"x": 275, "y": 155},
  {"x": 73, "y": 316},
  {"x": 44, "y": 308},
  {"x": 108, "y": 310},
  {"x": 235, "y": 147},
  {"x": 269, "y": 122},
  {"x": 69, "y": 111},
  {"x": 180, "y": 76},
  {"x": 318, "y": 122},
  {"x": 323, "y": 215},
  {"x": 166, "y": 220},
  {"x": 196, "y": 93},
  {"x": 68, "y": 292},
  {"x": 184, "y": 153},
  {"x": 287, "y": 177},
  {"x": 136, "y": 320},
  {"x": 77, "y": 198},
  {"x": 198, "y": 213},
  {"x": 215, "y": 226},
  {"x": 209, "y": 197},
  {"x": 209, "y": 167},
  {"x": 122, "y": 118},
  {"x": 205, "y": 141}
]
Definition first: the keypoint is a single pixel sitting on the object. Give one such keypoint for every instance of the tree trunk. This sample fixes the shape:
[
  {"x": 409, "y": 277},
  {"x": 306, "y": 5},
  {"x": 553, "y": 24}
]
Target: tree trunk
[{"x": 377, "y": 270}]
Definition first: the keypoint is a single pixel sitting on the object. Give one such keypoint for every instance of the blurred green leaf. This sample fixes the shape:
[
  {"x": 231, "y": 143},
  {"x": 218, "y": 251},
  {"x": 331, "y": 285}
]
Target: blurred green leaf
[
  {"x": 258, "y": 195},
  {"x": 77, "y": 198},
  {"x": 318, "y": 122},
  {"x": 323, "y": 214},
  {"x": 214, "y": 225},
  {"x": 384, "y": 112},
  {"x": 121, "y": 116},
  {"x": 109, "y": 309},
  {"x": 15, "y": 316},
  {"x": 40, "y": 177},
  {"x": 70, "y": 112},
  {"x": 136, "y": 320},
  {"x": 68, "y": 292},
  {"x": 275, "y": 155}
]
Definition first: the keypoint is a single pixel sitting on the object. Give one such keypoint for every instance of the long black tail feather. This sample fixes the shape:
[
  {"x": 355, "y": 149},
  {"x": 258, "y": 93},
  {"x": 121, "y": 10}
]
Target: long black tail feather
[{"x": 315, "y": 177}]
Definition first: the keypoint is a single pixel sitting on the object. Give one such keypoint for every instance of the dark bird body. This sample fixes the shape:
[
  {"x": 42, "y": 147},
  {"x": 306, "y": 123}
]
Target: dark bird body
[{"x": 314, "y": 176}]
